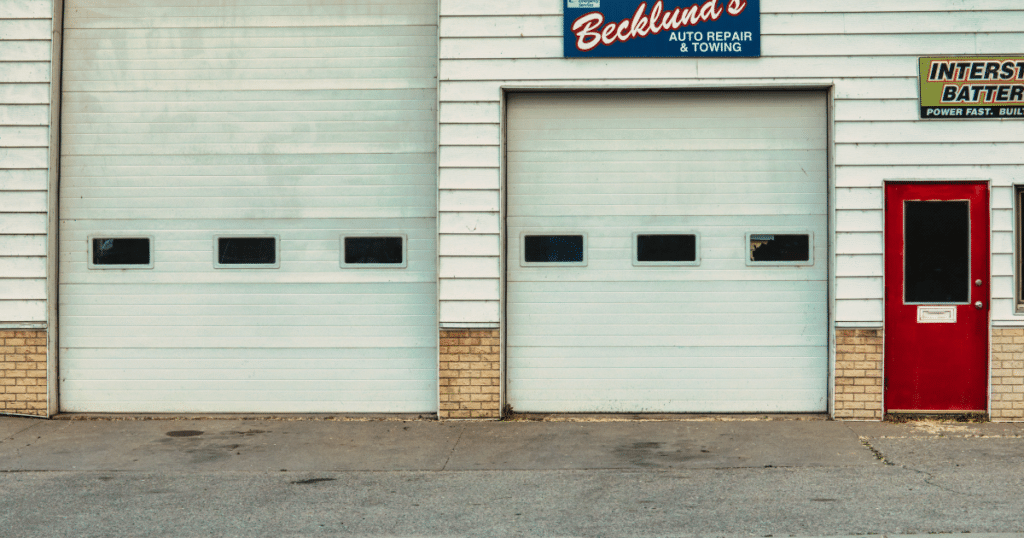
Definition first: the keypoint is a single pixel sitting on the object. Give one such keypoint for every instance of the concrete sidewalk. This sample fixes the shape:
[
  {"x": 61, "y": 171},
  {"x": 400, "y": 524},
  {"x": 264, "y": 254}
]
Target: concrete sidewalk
[{"x": 710, "y": 476}]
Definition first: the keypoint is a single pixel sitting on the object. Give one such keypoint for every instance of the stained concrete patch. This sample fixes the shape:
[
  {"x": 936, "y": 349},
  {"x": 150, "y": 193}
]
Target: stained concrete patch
[
  {"x": 11, "y": 426},
  {"x": 230, "y": 445},
  {"x": 657, "y": 445}
]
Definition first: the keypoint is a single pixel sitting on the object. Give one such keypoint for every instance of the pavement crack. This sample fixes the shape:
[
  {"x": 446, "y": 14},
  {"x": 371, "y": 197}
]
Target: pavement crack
[
  {"x": 878, "y": 453},
  {"x": 452, "y": 451},
  {"x": 928, "y": 477},
  {"x": 19, "y": 432}
]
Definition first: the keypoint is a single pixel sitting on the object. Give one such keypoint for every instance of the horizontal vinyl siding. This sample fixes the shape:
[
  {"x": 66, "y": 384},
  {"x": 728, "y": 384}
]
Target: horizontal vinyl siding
[
  {"x": 867, "y": 51},
  {"x": 25, "y": 29}
]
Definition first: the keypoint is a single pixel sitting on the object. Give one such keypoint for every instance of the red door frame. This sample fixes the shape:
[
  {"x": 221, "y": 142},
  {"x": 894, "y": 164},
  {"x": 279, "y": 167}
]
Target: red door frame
[{"x": 938, "y": 367}]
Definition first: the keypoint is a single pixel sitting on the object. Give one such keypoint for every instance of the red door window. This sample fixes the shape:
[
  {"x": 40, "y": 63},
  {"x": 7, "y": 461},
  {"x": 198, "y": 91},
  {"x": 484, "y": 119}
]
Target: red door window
[{"x": 936, "y": 296}]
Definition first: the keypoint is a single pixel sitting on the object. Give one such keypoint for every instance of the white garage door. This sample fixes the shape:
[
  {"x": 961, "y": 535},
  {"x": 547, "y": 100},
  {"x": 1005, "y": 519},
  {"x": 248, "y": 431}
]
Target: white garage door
[
  {"x": 283, "y": 126},
  {"x": 667, "y": 252}
]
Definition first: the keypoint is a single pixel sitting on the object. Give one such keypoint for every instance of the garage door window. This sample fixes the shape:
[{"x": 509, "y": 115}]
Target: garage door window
[
  {"x": 120, "y": 252},
  {"x": 551, "y": 249},
  {"x": 367, "y": 252},
  {"x": 780, "y": 249},
  {"x": 666, "y": 249},
  {"x": 247, "y": 252}
]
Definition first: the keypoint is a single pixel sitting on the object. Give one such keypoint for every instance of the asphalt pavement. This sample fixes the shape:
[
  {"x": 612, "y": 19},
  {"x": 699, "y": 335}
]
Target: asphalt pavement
[{"x": 548, "y": 476}]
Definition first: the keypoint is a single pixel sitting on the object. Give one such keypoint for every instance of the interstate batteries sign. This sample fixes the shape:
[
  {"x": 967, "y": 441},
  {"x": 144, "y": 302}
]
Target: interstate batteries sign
[
  {"x": 972, "y": 88},
  {"x": 661, "y": 28}
]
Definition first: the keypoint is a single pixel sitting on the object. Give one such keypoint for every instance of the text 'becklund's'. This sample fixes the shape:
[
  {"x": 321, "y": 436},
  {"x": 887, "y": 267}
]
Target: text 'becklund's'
[{"x": 589, "y": 36}]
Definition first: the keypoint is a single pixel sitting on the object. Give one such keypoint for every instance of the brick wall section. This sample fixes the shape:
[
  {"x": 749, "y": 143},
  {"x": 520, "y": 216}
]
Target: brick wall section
[
  {"x": 1007, "y": 375},
  {"x": 470, "y": 374},
  {"x": 23, "y": 372},
  {"x": 858, "y": 374}
]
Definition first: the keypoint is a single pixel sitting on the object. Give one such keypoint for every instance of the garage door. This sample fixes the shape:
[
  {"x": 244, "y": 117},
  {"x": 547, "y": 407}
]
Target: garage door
[
  {"x": 667, "y": 252},
  {"x": 248, "y": 207}
]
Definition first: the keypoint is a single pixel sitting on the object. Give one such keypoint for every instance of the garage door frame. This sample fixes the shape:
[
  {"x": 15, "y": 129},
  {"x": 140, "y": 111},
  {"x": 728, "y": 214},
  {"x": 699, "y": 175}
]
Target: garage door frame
[{"x": 602, "y": 86}]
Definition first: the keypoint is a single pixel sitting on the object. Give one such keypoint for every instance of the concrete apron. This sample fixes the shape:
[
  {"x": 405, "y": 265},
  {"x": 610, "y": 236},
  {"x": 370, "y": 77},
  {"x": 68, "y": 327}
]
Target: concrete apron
[{"x": 303, "y": 444}]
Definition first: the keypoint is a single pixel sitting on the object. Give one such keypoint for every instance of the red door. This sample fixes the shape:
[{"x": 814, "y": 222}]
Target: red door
[{"x": 936, "y": 296}]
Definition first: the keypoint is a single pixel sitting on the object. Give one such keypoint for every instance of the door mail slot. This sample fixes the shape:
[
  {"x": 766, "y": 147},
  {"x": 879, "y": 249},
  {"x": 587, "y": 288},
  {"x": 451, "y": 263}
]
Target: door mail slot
[{"x": 936, "y": 314}]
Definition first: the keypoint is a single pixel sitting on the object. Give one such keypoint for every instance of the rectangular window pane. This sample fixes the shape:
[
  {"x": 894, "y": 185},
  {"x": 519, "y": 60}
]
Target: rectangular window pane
[
  {"x": 666, "y": 248},
  {"x": 120, "y": 251},
  {"x": 554, "y": 248},
  {"x": 780, "y": 248},
  {"x": 936, "y": 247},
  {"x": 246, "y": 250},
  {"x": 373, "y": 250}
]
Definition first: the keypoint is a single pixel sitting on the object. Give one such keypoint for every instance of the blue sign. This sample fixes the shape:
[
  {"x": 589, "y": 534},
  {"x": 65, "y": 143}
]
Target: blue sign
[{"x": 662, "y": 28}]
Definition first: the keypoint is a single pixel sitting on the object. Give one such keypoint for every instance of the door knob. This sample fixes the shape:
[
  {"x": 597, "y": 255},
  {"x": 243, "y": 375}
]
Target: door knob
[
  {"x": 977, "y": 282},
  {"x": 978, "y": 305}
]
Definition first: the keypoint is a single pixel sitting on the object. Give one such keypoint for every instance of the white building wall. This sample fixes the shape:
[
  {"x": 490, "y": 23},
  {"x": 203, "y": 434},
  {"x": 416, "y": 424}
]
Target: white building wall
[
  {"x": 867, "y": 51},
  {"x": 25, "y": 49}
]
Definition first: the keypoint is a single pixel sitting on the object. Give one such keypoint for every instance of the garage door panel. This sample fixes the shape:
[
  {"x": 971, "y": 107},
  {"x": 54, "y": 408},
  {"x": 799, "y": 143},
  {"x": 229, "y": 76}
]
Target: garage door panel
[
  {"x": 542, "y": 186},
  {"x": 251, "y": 401},
  {"x": 657, "y": 358},
  {"x": 142, "y": 68},
  {"x": 727, "y": 273},
  {"x": 332, "y": 99},
  {"x": 285, "y": 316},
  {"x": 722, "y": 226},
  {"x": 684, "y": 203},
  {"x": 609, "y": 310},
  {"x": 648, "y": 334},
  {"x": 264, "y": 377},
  {"x": 679, "y": 157},
  {"x": 639, "y": 210},
  {"x": 640, "y": 133},
  {"x": 718, "y": 336},
  {"x": 344, "y": 336},
  {"x": 230, "y": 295},
  {"x": 287, "y": 321},
  {"x": 714, "y": 175},
  {"x": 603, "y": 340},
  {"x": 744, "y": 322},
  {"x": 236, "y": 163},
  {"x": 713, "y": 401},
  {"x": 210, "y": 277},
  {"x": 111, "y": 132},
  {"x": 244, "y": 142},
  {"x": 650, "y": 148},
  {"x": 197, "y": 229},
  {"x": 693, "y": 106},
  {"x": 268, "y": 360},
  {"x": 634, "y": 380},
  {"x": 229, "y": 202},
  {"x": 262, "y": 340},
  {"x": 311, "y": 384}
]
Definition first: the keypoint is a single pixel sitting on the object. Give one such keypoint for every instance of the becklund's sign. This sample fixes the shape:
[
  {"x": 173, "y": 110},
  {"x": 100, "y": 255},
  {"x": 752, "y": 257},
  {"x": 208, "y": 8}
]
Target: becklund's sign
[
  {"x": 649, "y": 29},
  {"x": 972, "y": 88}
]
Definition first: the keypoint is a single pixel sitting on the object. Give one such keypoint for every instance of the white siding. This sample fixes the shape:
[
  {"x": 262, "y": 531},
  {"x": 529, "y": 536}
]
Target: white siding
[
  {"x": 867, "y": 51},
  {"x": 307, "y": 120},
  {"x": 25, "y": 29}
]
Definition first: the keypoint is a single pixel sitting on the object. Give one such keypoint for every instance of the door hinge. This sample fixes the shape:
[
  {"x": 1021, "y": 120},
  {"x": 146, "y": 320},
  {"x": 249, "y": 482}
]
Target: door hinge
[{"x": 885, "y": 382}]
